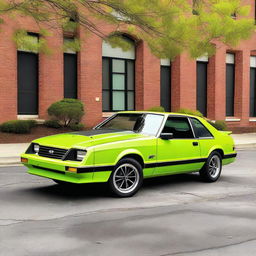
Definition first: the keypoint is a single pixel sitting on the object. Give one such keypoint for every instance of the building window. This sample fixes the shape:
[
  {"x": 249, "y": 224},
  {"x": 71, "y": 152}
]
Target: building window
[
  {"x": 201, "y": 84},
  {"x": 165, "y": 83},
  {"x": 27, "y": 77},
  {"x": 118, "y": 84},
  {"x": 230, "y": 84},
  {"x": 253, "y": 86},
  {"x": 70, "y": 70},
  {"x": 118, "y": 78}
]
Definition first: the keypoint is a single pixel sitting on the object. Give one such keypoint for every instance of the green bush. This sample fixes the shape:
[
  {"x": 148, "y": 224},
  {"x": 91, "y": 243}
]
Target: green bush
[
  {"x": 190, "y": 112},
  {"x": 18, "y": 126},
  {"x": 67, "y": 111},
  {"x": 219, "y": 125},
  {"x": 52, "y": 124},
  {"x": 76, "y": 127},
  {"x": 156, "y": 109}
]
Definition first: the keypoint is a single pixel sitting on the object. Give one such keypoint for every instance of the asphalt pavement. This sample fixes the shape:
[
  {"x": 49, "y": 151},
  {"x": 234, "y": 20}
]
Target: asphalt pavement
[{"x": 175, "y": 215}]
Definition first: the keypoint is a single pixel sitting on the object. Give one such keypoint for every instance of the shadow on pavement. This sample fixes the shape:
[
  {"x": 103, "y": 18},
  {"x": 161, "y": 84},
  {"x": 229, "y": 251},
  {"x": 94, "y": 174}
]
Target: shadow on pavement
[{"x": 100, "y": 190}]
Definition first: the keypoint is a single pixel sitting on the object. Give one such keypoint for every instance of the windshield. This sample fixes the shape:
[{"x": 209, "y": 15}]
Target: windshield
[{"x": 140, "y": 123}]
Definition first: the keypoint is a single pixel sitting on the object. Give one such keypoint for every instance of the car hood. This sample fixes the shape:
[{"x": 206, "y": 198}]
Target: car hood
[{"x": 83, "y": 139}]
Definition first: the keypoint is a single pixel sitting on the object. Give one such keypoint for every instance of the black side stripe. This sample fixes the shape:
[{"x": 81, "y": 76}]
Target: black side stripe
[
  {"x": 162, "y": 164},
  {"x": 150, "y": 165},
  {"x": 229, "y": 156}
]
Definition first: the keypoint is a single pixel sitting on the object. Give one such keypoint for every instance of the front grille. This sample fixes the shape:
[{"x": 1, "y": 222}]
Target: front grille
[{"x": 51, "y": 152}]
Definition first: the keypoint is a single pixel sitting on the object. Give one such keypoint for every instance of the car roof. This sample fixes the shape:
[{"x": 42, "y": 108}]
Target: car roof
[{"x": 160, "y": 113}]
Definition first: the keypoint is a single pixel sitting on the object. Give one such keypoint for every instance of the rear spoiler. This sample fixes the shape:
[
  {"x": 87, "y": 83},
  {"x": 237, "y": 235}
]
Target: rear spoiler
[{"x": 227, "y": 132}]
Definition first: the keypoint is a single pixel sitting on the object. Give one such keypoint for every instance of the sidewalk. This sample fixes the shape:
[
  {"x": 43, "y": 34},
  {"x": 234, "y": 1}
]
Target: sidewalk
[{"x": 10, "y": 153}]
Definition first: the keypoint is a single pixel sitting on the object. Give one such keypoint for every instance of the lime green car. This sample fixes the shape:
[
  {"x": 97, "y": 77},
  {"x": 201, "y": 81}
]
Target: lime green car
[{"x": 130, "y": 146}]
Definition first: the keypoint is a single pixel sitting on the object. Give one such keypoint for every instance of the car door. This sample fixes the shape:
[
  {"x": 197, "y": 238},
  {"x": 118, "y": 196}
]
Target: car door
[
  {"x": 205, "y": 138},
  {"x": 182, "y": 152}
]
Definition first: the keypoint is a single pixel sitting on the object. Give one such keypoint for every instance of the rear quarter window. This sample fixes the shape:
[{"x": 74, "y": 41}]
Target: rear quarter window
[{"x": 200, "y": 130}]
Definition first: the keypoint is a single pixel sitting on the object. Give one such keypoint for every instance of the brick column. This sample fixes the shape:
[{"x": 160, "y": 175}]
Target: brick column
[
  {"x": 183, "y": 83},
  {"x": 242, "y": 86},
  {"x": 8, "y": 76},
  {"x": 216, "y": 91},
  {"x": 51, "y": 77},
  {"x": 90, "y": 77},
  {"x": 147, "y": 78}
]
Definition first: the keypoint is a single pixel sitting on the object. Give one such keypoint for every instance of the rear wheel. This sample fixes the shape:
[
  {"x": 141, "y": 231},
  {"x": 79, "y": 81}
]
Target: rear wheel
[
  {"x": 212, "y": 169},
  {"x": 127, "y": 178}
]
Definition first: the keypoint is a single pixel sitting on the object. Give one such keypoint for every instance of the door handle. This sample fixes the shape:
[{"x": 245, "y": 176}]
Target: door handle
[{"x": 195, "y": 143}]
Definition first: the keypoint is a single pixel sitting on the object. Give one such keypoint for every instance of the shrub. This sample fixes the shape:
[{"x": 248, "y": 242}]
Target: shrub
[
  {"x": 219, "y": 125},
  {"x": 156, "y": 109},
  {"x": 52, "y": 124},
  {"x": 190, "y": 112},
  {"x": 67, "y": 111},
  {"x": 18, "y": 126},
  {"x": 76, "y": 127}
]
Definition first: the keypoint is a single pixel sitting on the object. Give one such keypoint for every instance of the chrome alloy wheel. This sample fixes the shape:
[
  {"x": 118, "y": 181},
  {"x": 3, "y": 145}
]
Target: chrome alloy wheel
[
  {"x": 214, "y": 166},
  {"x": 126, "y": 178}
]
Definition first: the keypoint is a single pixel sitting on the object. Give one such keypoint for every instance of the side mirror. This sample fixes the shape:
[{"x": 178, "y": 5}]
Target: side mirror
[{"x": 166, "y": 136}]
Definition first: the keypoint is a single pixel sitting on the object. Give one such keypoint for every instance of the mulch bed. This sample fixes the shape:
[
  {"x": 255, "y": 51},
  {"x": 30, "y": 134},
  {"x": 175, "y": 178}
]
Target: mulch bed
[{"x": 36, "y": 132}]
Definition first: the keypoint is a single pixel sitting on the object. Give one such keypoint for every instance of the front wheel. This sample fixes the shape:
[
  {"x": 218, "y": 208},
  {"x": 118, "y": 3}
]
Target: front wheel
[
  {"x": 212, "y": 169},
  {"x": 126, "y": 179}
]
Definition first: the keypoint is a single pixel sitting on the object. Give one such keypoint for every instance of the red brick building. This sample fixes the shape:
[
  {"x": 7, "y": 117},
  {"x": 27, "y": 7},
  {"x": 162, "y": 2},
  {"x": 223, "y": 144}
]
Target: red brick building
[{"x": 223, "y": 87}]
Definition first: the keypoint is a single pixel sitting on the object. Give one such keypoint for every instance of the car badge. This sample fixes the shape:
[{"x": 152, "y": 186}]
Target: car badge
[{"x": 51, "y": 151}]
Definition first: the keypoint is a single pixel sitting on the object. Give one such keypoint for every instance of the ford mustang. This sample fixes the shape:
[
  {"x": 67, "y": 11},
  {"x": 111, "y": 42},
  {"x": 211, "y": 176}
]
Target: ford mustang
[{"x": 130, "y": 146}]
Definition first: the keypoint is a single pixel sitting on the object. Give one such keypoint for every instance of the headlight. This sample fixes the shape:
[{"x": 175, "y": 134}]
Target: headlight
[
  {"x": 80, "y": 154},
  {"x": 36, "y": 148}
]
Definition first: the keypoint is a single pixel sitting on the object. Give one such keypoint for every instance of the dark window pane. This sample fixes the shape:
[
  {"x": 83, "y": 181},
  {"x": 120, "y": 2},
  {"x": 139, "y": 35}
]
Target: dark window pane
[
  {"x": 70, "y": 75},
  {"x": 106, "y": 101},
  {"x": 130, "y": 75},
  {"x": 230, "y": 89},
  {"x": 179, "y": 126},
  {"x": 201, "y": 98},
  {"x": 253, "y": 92},
  {"x": 200, "y": 130},
  {"x": 166, "y": 87},
  {"x": 27, "y": 83},
  {"x": 105, "y": 73},
  {"x": 130, "y": 101}
]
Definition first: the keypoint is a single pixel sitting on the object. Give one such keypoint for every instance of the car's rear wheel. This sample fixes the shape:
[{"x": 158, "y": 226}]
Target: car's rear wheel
[
  {"x": 127, "y": 178},
  {"x": 212, "y": 169}
]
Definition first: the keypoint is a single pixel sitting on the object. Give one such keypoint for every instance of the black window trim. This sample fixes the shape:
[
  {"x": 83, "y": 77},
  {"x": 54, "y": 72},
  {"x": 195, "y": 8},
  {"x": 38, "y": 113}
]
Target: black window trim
[
  {"x": 126, "y": 90},
  {"x": 191, "y": 127},
  {"x": 200, "y": 138}
]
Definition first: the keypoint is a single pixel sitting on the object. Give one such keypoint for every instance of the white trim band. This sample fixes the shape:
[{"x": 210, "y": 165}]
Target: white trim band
[
  {"x": 230, "y": 58},
  {"x": 232, "y": 119},
  {"x": 253, "y": 61},
  {"x": 165, "y": 62},
  {"x": 117, "y": 52}
]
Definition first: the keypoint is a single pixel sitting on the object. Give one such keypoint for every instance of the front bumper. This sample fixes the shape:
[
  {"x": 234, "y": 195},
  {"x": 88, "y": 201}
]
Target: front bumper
[{"x": 58, "y": 170}]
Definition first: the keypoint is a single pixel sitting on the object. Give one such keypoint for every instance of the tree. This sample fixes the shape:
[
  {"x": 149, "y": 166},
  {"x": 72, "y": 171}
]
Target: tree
[{"x": 170, "y": 27}]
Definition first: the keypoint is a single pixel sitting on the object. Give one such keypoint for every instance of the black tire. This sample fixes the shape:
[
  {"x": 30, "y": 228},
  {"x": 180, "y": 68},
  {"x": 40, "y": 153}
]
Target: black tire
[
  {"x": 211, "y": 170},
  {"x": 120, "y": 179}
]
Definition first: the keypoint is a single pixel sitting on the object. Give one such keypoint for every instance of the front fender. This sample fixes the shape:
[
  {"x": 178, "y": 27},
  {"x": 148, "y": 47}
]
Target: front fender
[{"x": 128, "y": 152}]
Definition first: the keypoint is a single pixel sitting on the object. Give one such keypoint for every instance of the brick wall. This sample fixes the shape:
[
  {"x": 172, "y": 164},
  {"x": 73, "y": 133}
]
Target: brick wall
[{"x": 147, "y": 76}]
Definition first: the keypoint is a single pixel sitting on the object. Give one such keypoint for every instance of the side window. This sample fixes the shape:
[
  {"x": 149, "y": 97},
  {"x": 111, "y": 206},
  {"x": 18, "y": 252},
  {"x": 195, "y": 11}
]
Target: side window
[
  {"x": 200, "y": 130},
  {"x": 179, "y": 126}
]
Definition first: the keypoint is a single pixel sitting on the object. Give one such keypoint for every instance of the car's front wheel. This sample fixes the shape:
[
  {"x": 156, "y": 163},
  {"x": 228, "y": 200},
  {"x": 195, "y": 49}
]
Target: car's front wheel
[
  {"x": 212, "y": 169},
  {"x": 127, "y": 178}
]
